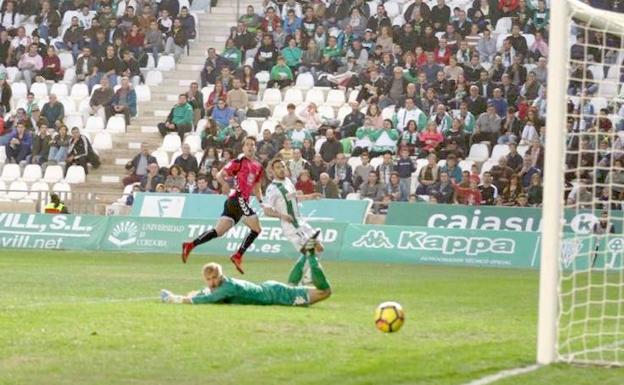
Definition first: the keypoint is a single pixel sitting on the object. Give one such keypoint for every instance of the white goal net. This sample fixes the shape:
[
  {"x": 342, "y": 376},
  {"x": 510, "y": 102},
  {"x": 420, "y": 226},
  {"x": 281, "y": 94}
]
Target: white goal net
[{"x": 584, "y": 190}]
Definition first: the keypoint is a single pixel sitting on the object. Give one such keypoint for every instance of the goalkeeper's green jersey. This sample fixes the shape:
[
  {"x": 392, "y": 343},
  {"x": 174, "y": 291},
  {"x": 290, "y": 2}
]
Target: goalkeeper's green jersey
[{"x": 238, "y": 291}]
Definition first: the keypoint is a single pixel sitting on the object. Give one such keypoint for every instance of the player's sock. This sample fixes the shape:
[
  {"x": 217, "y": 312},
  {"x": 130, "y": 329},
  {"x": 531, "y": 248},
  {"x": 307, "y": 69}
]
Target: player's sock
[
  {"x": 297, "y": 271},
  {"x": 318, "y": 275},
  {"x": 205, "y": 237},
  {"x": 248, "y": 241}
]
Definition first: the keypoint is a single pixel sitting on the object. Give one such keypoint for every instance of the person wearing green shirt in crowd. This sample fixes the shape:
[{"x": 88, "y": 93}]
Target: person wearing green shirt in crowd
[
  {"x": 468, "y": 118},
  {"x": 442, "y": 119},
  {"x": 298, "y": 135},
  {"x": 232, "y": 53},
  {"x": 384, "y": 139},
  {"x": 226, "y": 290},
  {"x": 251, "y": 20},
  {"x": 281, "y": 74},
  {"x": 541, "y": 15},
  {"x": 179, "y": 120},
  {"x": 225, "y": 133},
  {"x": 330, "y": 56},
  {"x": 292, "y": 54},
  {"x": 363, "y": 141}
]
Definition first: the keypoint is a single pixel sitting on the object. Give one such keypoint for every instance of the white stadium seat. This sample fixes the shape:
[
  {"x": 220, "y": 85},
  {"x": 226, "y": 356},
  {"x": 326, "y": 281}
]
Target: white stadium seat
[
  {"x": 375, "y": 162},
  {"x": 94, "y": 124},
  {"x": 272, "y": 96},
  {"x": 250, "y": 127},
  {"x": 59, "y": 89},
  {"x": 293, "y": 95},
  {"x": 171, "y": 143},
  {"x": 279, "y": 111},
  {"x": 75, "y": 175},
  {"x": 74, "y": 121},
  {"x": 304, "y": 81},
  {"x": 342, "y": 112},
  {"x": 174, "y": 156},
  {"x": 19, "y": 90},
  {"x": 10, "y": 172},
  {"x": 354, "y": 161},
  {"x": 316, "y": 96},
  {"x": 39, "y": 190},
  {"x": 335, "y": 98},
  {"x": 12, "y": 73},
  {"x": 319, "y": 142},
  {"x": 479, "y": 152},
  {"x": 498, "y": 151},
  {"x": 53, "y": 173},
  {"x": 79, "y": 91},
  {"x": 2, "y": 154},
  {"x": 263, "y": 76},
  {"x": 487, "y": 166},
  {"x": 269, "y": 125},
  {"x": 153, "y": 78},
  {"x": 116, "y": 124},
  {"x": 63, "y": 190},
  {"x": 39, "y": 90},
  {"x": 193, "y": 140},
  {"x": 18, "y": 190},
  {"x": 103, "y": 141},
  {"x": 326, "y": 112},
  {"x": 466, "y": 165},
  {"x": 32, "y": 173},
  {"x": 68, "y": 104},
  {"x": 161, "y": 157},
  {"x": 166, "y": 63},
  {"x": 143, "y": 93}
]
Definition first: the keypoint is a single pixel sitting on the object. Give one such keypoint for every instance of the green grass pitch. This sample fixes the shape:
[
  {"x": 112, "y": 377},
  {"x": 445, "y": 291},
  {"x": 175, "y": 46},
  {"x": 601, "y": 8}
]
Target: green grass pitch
[{"x": 94, "y": 318}]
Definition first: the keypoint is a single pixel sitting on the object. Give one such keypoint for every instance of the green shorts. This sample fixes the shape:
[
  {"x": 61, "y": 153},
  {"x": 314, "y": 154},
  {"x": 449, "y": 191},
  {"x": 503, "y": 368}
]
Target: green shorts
[{"x": 282, "y": 294}]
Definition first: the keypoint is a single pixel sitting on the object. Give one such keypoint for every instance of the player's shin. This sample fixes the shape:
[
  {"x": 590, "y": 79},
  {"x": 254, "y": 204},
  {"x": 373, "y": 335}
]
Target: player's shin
[
  {"x": 297, "y": 271},
  {"x": 205, "y": 237},
  {"x": 251, "y": 237},
  {"x": 318, "y": 275}
]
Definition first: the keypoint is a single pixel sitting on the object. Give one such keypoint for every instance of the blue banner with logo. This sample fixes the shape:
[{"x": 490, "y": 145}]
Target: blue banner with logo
[{"x": 211, "y": 206}]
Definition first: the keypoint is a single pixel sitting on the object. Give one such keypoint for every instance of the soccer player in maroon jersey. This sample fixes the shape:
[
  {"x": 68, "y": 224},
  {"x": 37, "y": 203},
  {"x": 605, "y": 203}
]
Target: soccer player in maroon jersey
[{"x": 247, "y": 174}]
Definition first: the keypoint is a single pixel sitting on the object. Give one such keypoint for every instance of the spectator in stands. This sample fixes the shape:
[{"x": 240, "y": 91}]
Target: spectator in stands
[
  {"x": 101, "y": 98},
  {"x": 73, "y": 38},
  {"x": 202, "y": 186},
  {"x": 342, "y": 174},
  {"x": 19, "y": 145},
  {"x": 130, "y": 68},
  {"x": 266, "y": 145},
  {"x": 330, "y": 148},
  {"x": 317, "y": 167},
  {"x": 10, "y": 19},
  {"x": 221, "y": 113},
  {"x": 81, "y": 152},
  {"x": 6, "y": 93},
  {"x": 371, "y": 188},
  {"x": 475, "y": 103},
  {"x": 431, "y": 138},
  {"x": 452, "y": 169},
  {"x": 176, "y": 179},
  {"x": 154, "y": 42},
  {"x": 266, "y": 57},
  {"x": 48, "y": 21},
  {"x": 196, "y": 100},
  {"x": 281, "y": 74},
  {"x": 305, "y": 183},
  {"x": 123, "y": 102},
  {"x": 138, "y": 165},
  {"x": 405, "y": 167},
  {"x": 40, "y": 146},
  {"x": 51, "y": 69},
  {"x": 250, "y": 84},
  {"x": 29, "y": 64},
  {"x": 428, "y": 175},
  {"x": 535, "y": 191},
  {"x": 326, "y": 187},
  {"x": 443, "y": 190},
  {"x": 487, "y": 126},
  {"x": 238, "y": 100},
  {"x": 296, "y": 165},
  {"x": 298, "y": 135},
  {"x": 527, "y": 171},
  {"x": 311, "y": 118},
  {"x": 179, "y": 120},
  {"x": 59, "y": 146},
  {"x": 512, "y": 191},
  {"x": 217, "y": 93},
  {"x": 410, "y": 112},
  {"x": 514, "y": 160},
  {"x": 186, "y": 160},
  {"x": 86, "y": 66},
  {"x": 396, "y": 191},
  {"x": 468, "y": 192},
  {"x": 151, "y": 179},
  {"x": 53, "y": 111},
  {"x": 308, "y": 152},
  {"x": 176, "y": 40},
  {"x": 209, "y": 158},
  {"x": 489, "y": 192}
]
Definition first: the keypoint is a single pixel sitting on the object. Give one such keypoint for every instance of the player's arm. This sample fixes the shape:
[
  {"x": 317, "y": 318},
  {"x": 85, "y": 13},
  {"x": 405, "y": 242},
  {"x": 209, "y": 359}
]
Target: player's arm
[
  {"x": 258, "y": 191},
  {"x": 270, "y": 203},
  {"x": 271, "y": 212},
  {"x": 225, "y": 187},
  {"x": 215, "y": 296}
]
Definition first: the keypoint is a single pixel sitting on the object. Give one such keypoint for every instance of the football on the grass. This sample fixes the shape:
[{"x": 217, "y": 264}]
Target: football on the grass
[{"x": 389, "y": 317}]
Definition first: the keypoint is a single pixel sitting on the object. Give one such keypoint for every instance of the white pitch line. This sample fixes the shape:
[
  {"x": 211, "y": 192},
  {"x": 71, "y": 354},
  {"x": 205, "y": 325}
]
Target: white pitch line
[
  {"x": 492, "y": 378},
  {"x": 92, "y": 301}
]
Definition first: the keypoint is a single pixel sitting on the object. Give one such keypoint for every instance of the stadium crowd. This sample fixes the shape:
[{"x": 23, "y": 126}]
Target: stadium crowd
[{"x": 429, "y": 91}]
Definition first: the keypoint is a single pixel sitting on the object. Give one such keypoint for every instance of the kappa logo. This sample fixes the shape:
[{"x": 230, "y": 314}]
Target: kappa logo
[
  {"x": 374, "y": 239},
  {"x": 583, "y": 223},
  {"x": 124, "y": 233}
]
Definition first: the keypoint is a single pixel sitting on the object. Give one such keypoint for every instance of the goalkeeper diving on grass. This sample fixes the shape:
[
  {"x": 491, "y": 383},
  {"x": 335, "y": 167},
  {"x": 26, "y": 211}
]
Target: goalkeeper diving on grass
[{"x": 222, "y": 289}]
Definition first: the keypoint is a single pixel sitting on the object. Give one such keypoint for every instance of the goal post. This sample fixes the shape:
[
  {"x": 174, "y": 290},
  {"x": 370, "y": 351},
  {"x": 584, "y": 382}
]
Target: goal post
[{"x": 581, "y": 302}]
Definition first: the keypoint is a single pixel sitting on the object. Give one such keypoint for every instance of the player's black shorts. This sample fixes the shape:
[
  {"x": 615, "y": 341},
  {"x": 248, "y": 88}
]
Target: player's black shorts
[{"x": 236, "y": 207}]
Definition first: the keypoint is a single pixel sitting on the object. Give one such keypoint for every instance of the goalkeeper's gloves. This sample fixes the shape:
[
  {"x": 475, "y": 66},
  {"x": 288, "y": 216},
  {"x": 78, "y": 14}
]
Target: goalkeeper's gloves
[{"x": 168, "y": 297}]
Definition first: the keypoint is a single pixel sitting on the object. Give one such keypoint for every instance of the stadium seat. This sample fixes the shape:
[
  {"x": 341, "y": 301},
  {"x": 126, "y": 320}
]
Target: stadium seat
[
  {"x": 316, "y": 96},
  {"x": 319, "y": 142},
  {"x": 487, "y": 166},
  {"x": 174, "y": 156},
  {"x": 18, "y": 190},
  {"x": 304, "y": 81},
  {"x": 335, "y": 98},
  {"x": 388, "y": 112},
  {"x": 201, "y": 123},
  {"x": 143, "y": 93},
  {"x": 171, "y": 143},
  {"x": 68, "y": 104},
  {"x": 293, "y": 95},
  {"x": 353, "y": 196},
  {"x": 161, "y": 157},
  {"x": 59, "y": 89},
  {"x": 442, "y": 163},
  {"x": 608, "y": 89},
  {"x": 279, "y": 111},
  {"x": 375, "y": 162},
  {"x": 95, "y": 87},
  {"x": 523, "y": 150},
  {"x": 503, "y": 26},
  {"x": 354, "y": 161},
  {"x": 353, "y": 96},
  {"x": 206, "y": 91},
  {"x": 2, "y": 154},
  {"x": 39, "y": 90},
  {"x": 32, "y": 173},
  {"x": 74, "y": 121},
  {"x": 263, "y": 77},
  {"x": 166, "y": 63},
  {"x": 69, "y": 77},
  {"x": 53, "y": 173},
  {"x": 19, "y": 90},
  {"x": 3, "y": 188},
  {"x": 479, "y": 152},
  {"x": 79, "y": 91},
  {"x": 94, "y": 124},
  {"x": 530, "y": 39},
  {"x": 342, "y": 112},
  {"x": 392, "y": 9},
  {"x": 103, "y": 141},
  {"x": 269, "y": 125},
  {"x": 75, "y": 175},
  {"x": 150, "y": 63},
  {"x": 66, "y": 59},
  {"x": 12, "y": 74},
  {"x": 63, "y": 189},
  {"x": 466, "y": 165},
  {"x": 39, "y": 190},
  {"x": 116, "y": 124},
  {"x": 10, "y": 172},
  {"x": 272, "y": 96},
  {"x": 153, "y": 78},
  {"x": 498, "y": 151},
  {"x": 250, "y": 127},
  {"x": 193, "y": 140},
  {"x": 597, "y": 71},
  {"x": 326, "y": 112},
  {"x": 599, "y": 103}
]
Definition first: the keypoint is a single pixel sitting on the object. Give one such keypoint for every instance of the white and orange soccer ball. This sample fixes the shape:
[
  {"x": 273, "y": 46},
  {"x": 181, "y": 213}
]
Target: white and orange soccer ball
[{"x": 389, "y": 317}]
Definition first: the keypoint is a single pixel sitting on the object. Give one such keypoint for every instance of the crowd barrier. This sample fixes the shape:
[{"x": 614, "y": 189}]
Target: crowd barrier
[{"x": 343, "y": 241}]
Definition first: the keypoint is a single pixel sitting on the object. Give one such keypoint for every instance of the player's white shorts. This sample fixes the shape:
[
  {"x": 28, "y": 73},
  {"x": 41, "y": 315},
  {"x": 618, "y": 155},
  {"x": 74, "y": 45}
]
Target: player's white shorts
[{"x": 298, "y": 236}]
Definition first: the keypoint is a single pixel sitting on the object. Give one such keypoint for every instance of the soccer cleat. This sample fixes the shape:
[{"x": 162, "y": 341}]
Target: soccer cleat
[
  {"x": 237, "y": 260},
  {"x": 187, "y": 247},
  {"x": 165, "y": 295},
  {"x": 310, "y": 243}
]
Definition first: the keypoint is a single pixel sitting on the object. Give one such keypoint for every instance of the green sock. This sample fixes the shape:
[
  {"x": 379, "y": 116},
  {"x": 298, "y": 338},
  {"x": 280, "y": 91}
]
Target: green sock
[
  {"x": 318, "y": 275},
  {"x": 297, "y": 271}
]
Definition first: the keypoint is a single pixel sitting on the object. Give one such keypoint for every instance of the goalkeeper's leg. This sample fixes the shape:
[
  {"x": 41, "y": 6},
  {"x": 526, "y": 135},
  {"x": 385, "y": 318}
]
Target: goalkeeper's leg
[{"x": 322, "y": 288}]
